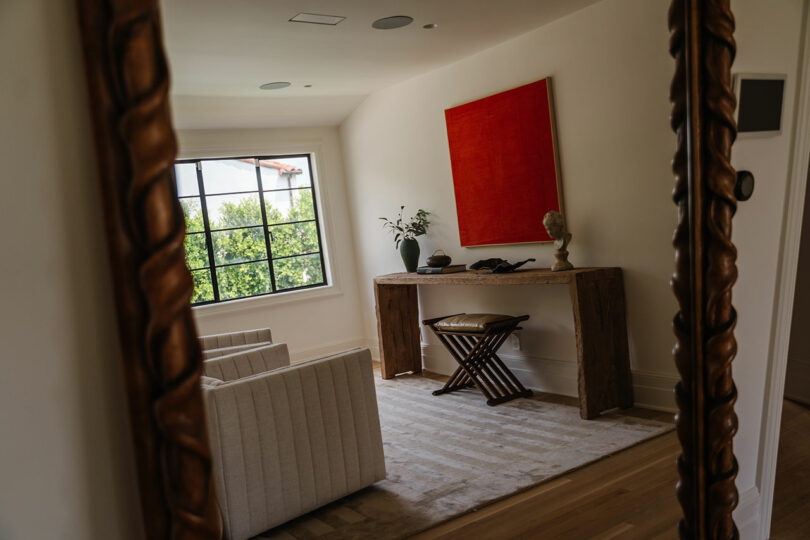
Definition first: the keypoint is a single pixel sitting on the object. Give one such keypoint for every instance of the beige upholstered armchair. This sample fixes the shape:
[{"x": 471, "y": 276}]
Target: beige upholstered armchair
[
  {"x": 287, "y": 439},
  {"x": 222, "y": 344}
]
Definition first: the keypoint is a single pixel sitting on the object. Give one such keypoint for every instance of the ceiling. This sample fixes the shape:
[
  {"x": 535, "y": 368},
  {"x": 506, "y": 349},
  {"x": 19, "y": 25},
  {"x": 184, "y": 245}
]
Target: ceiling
[{"x": 221, "y": 52}]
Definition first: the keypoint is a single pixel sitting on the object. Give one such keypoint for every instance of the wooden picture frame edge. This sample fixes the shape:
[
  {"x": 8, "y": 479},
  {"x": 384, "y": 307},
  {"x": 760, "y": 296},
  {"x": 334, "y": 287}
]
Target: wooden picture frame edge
[
  {"x": 555, "y": 150},
  {"x": 127, "y": 78},
  {"x": 127, "y": 82},
  {"x": 703, "y": 105}
]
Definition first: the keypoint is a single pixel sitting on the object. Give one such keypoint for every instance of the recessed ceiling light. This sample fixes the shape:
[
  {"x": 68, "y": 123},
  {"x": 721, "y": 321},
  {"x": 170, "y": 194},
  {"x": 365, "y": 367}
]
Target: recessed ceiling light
[
  {"x": 430, "y": 26},
  {"x": 314, "y": 18},
  {"x": 389, "y": 23},
  {"x": 275, "y": 85}
]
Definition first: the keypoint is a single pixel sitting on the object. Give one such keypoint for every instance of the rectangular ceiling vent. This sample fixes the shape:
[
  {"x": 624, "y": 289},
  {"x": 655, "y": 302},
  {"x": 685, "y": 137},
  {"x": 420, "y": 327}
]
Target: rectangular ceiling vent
[{"x": 313, "y": 18}]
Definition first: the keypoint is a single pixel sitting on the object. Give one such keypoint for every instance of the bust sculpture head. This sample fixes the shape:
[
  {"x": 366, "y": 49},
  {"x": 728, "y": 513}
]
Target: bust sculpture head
[{"x": 554, "y": 224}]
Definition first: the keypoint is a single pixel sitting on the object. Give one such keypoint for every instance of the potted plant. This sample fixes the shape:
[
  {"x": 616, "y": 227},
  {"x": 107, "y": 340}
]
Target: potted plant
[{"x": 405, "y": 233}]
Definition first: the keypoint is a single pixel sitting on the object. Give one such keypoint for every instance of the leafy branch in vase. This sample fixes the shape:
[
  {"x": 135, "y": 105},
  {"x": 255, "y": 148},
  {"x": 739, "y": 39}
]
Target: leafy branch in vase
[{"x": 407, "y": 230}]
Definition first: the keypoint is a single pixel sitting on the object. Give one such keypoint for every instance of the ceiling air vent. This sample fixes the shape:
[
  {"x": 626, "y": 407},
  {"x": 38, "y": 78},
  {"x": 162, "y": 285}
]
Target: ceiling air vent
[{"x": 314, "y": 18}]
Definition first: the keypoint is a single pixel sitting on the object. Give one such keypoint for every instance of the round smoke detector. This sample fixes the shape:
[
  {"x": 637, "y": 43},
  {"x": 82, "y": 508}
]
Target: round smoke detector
[
  {"x": 275, "y": 85},
  {"x": 389, "y": 23}
]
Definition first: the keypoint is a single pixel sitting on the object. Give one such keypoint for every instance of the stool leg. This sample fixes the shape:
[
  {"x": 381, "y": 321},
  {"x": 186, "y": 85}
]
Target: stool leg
[
  {"x": 511, "y": 388},
  {"x": 464, "y": 365},
  {"x": 504, "y": 372},
  {"x": 457, "y": 381},
  {"x": 480, "y": 361},
  {"x": 475, "y": 356}
]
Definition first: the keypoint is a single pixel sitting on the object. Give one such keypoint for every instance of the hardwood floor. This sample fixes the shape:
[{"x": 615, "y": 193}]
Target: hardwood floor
[
  {"x": 791, "y": 501},
  {"x": 628, "y": 495}
]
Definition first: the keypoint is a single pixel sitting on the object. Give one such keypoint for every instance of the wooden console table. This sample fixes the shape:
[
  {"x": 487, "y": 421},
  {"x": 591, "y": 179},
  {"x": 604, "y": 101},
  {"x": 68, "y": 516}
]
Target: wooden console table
[{"x": 597, "y": 296}]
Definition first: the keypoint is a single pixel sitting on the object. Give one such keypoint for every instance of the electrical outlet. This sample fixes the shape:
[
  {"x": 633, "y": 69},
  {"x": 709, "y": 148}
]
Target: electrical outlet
[{"x": 515, "y": 340}]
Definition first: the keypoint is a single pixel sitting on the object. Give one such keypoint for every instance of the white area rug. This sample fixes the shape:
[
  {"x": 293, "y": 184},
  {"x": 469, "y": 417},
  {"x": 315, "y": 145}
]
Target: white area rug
[{"x": 450, "y": 454}]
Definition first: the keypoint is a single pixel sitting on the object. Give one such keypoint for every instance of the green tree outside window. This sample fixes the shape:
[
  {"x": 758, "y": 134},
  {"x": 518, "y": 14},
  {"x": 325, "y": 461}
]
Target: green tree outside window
[{"x": 297, "y": 243}]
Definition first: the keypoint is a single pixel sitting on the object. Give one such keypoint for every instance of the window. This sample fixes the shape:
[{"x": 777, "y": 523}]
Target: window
[{"x": 251, "y": 226}]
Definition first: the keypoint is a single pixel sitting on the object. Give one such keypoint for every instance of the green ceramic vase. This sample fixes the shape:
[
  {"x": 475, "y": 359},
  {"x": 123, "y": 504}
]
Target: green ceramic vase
[{"x": 409, "y": 250}]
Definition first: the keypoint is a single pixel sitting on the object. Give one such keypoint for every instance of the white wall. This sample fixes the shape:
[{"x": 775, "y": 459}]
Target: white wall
[
  {"x": 768, "y": 41},
  {"x": 65, "y": 456},
  {"x": 396, "y": 153},
  {"x": 611, "y": 76},
  {"x": 312, "y": 322}
]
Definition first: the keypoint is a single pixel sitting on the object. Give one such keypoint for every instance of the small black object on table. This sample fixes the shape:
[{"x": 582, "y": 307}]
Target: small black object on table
[
  {"x": 473, "y": 341},
  {"x": 498, "y": 266}
]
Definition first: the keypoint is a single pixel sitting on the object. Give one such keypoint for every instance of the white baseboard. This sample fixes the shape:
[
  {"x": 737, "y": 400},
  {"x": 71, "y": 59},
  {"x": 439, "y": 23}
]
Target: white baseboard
[
  {"x": 655, "y": 391},
  {"x": 747, "y": 515},
  {"x": 652, "y": 390},
  {"x": 297, "y": 356}
]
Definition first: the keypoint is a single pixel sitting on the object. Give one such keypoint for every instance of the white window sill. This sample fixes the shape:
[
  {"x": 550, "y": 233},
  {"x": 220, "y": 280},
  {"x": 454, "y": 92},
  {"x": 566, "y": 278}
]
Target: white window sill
[{"x": 267, "y": 301}]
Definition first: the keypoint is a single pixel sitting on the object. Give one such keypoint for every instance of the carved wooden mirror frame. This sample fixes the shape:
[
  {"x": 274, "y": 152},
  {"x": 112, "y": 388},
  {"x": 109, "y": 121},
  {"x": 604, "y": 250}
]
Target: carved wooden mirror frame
[{"x": 128, "y": 84}]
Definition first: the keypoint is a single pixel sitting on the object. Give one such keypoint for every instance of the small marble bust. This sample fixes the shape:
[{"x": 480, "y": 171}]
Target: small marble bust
[{"x": 555, "y": 226}]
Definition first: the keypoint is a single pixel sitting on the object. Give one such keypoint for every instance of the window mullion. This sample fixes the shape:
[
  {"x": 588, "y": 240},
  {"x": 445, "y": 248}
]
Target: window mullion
[
  {"x": 294, "y": 222},
  {"x": 317, "y": 220},
  {"x": 209, "y": 242},
  {"x": 266, "y": 230}
]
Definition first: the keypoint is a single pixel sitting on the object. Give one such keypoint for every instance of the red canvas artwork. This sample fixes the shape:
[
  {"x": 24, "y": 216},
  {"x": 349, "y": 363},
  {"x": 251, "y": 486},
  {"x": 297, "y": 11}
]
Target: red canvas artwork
[{"x": 504, "y": 166}]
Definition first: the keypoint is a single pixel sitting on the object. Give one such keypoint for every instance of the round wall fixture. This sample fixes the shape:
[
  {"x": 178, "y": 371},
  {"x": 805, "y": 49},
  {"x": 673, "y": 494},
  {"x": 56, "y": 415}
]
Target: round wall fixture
[
  {"x": 389, "y": 23},
  {"x": 275, "y": 85},
  {"x": 744, "y": 187}
]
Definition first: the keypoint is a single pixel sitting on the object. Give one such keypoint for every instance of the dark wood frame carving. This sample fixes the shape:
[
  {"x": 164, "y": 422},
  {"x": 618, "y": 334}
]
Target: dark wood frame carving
[
  {"x": 128, "y": 81},
  {"x": 127, "y": 77},
  {"x": 703, "y": 104}
]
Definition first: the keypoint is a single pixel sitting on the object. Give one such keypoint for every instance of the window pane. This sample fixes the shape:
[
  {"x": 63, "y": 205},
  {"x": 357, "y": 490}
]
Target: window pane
[
  {"x": 298, "y": 271},
  {"x": 226, "y": 211},
  {"x": 192, "y": 210},
  {"x": 203, "y": 289},
  {"x": 185, "y": 174},
  {"x": 229, "y": 175},
  {"x": 196, "y": 251},
  {"x": 239, "y": 245},
  {"x": 274, "y": 178},
  {"x": 243, "y": 280},
  {"x": 295, "y": 205},
  {"x": 294, "y": 239}
]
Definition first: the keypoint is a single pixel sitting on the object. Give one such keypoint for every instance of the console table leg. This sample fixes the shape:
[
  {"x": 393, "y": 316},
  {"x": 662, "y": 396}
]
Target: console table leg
[
  {"x": 603, "y": 357},
  {"x": 398, "y": 329}
]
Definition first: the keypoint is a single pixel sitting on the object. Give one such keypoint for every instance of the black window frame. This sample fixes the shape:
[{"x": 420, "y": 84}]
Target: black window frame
[{"x": 207, "y": 231}]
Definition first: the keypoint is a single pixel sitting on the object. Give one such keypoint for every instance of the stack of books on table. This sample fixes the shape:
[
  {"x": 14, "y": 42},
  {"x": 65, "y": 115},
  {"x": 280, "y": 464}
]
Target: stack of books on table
[{"x": 441, "y": 270}]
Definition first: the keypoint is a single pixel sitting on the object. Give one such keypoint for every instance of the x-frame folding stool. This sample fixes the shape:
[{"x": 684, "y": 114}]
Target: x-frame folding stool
[{"x": 478, "y": 363}]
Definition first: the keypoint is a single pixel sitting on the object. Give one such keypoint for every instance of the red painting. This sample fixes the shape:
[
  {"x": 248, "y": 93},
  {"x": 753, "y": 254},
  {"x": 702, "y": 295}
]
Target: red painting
[{"x": 504, "y": 166}]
